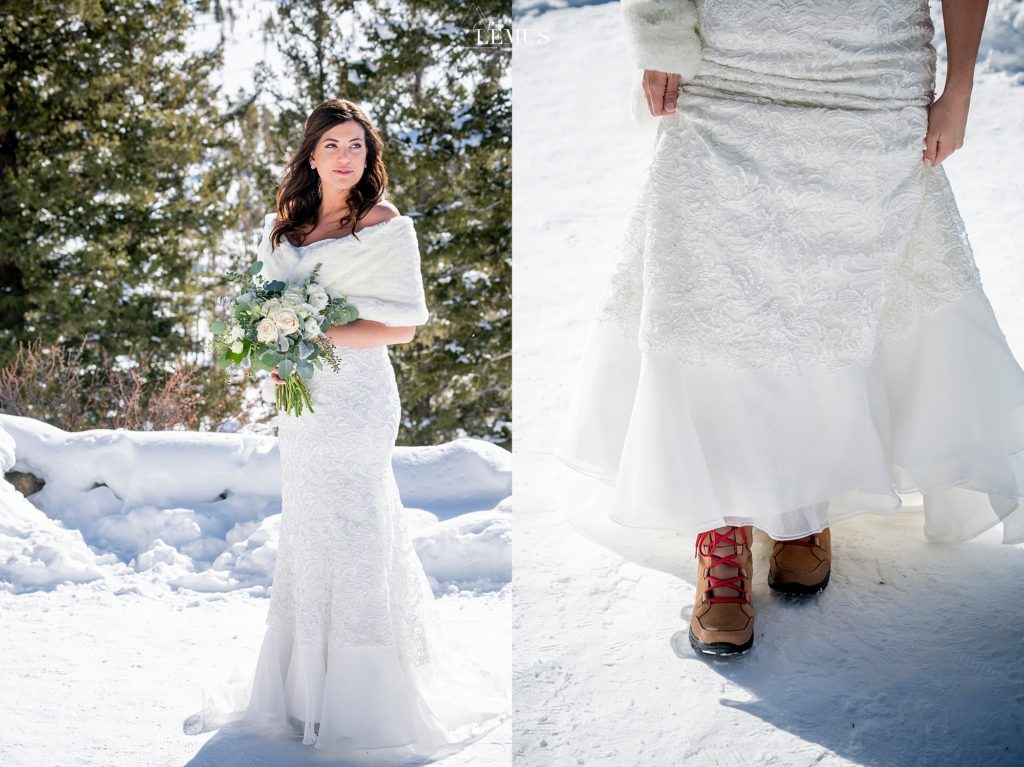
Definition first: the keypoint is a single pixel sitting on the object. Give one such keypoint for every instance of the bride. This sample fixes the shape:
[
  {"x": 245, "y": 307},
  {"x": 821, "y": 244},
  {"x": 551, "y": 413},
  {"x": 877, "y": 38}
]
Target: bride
[{"x": 352, "y": 653}]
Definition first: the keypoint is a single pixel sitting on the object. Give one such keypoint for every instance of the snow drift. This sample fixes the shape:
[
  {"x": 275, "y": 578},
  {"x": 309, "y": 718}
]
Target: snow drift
[{"x": 201, "y": 511}]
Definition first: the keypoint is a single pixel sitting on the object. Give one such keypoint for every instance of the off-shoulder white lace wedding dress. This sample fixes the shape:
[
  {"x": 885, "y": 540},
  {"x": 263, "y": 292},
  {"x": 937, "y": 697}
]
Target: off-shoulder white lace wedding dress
[
  {"x": 353, "y": 654},
  {"x": 796, "y": 330}
]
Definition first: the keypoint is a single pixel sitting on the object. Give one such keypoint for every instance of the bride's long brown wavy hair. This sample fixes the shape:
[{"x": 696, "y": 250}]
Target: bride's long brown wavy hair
[{"x": 298, "y": 194}]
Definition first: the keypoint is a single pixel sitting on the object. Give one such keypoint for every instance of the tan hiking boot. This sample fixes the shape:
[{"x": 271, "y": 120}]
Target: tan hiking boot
[
  {"x": 722, "y": 622},
  {"x": 803, "y": 566}
]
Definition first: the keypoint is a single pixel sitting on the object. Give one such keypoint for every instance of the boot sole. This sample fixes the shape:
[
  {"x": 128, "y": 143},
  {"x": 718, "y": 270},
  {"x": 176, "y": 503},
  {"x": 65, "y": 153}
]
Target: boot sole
[
  {"x": 719, "y": 648},
  {"x": 799, "y": 588}
]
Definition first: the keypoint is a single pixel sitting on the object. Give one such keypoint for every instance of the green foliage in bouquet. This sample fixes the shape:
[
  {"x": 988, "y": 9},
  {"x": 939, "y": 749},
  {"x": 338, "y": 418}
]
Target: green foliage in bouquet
[{"x": 277, "y": 325}]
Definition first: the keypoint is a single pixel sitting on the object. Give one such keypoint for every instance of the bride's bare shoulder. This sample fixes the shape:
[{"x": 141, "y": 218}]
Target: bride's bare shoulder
[{"x": 379, "y": 213}]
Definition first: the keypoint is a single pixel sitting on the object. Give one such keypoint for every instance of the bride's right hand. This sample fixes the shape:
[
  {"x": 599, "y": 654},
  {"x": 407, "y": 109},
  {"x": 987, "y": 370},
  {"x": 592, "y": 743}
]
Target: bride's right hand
[{"x": 661, "y": 90}]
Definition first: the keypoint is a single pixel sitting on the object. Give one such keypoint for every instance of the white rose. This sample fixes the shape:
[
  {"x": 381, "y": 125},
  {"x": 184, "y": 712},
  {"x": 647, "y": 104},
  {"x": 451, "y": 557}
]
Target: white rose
[
  {"x": 317, "y": 297},
  {"x": 266, "y": 331},
  {"x": 236, "y": 333},
  {"x": 268, "y": 306},
  {"x": 285, "y": 319},
  {"x": 292, "y": 297},
  {"x": 237, "y": 347},
  {"x": 312, "y": 328}
]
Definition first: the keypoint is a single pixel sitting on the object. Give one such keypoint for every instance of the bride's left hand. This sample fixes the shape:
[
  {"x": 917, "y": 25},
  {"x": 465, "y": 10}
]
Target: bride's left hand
[
  {"x": 661, "y": 90},
  {"x": 947, "y": 124},
  {"x": 275, "y": 378}
]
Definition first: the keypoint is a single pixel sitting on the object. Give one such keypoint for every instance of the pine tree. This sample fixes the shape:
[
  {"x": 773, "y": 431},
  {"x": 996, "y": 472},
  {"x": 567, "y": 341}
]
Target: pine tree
[{"x": 116, "y": 164}]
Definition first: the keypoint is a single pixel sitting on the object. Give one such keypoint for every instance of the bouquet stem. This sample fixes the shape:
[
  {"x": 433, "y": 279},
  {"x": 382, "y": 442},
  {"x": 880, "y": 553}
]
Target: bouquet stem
[{"x": 292, "y": 396}]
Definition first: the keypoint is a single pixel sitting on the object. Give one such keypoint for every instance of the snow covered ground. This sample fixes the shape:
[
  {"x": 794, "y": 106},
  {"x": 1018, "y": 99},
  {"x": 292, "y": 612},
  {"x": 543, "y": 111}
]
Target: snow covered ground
[
  {"x": 913, "y": 656},
  {"x": 134, "y": 585}
]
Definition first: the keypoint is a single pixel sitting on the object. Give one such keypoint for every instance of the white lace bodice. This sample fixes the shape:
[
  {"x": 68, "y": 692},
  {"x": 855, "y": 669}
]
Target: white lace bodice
[{"x": 796, "y": 63}]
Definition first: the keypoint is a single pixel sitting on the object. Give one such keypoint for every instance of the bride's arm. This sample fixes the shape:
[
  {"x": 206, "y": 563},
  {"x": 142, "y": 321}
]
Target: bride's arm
[
  {"x": 963, "y": 23},
  {"x": 363, "y": 334},
  {"x": 947, "y": 117}
]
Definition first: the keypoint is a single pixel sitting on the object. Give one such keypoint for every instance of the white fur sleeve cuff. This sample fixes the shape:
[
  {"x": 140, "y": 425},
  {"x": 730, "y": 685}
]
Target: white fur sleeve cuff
[{"x": 663, "y": 35}]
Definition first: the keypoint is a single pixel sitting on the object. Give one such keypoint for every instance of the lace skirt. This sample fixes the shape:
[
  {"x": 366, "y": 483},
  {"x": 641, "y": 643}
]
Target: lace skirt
[
  {"x": 353, "y": 655},
  {"x": 796, "y": 330}
]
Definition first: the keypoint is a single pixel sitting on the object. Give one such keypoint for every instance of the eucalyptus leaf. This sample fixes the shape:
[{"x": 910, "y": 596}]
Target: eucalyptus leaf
[
  {"x": 304, "y": 369},
  {"x": 218, "y": 326},
  {"x": 284, "y": 368},
  {"x": 306, "y": 350},
  {"x": 342, "y": 314},
  {"x": 269, "y": 358},
  {"x": 255, "y": 268},
  {"x": 275, "y": 286},
  {"x": 284, "y": 343}
]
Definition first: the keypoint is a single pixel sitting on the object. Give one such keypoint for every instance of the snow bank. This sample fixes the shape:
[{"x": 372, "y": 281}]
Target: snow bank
[
  {"x": 164, "y": 468},
  {"x": 1002, "y": 42},
  {"x": 36, "y": 552},
  {"x": 201, "y": 511},
  {"x": 453, "y": 478},
  {"x": 472, "y": 551}
]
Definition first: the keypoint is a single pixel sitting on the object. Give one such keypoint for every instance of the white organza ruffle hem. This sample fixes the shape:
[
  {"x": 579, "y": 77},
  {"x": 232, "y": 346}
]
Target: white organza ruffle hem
[
  {"x": 359, "y": 698},
  {"x": 663, "y": 445}
]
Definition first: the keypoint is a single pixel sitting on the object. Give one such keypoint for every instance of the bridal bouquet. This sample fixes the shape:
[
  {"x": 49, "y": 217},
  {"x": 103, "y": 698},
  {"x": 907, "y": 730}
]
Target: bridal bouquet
[{"x": 276, "y": 324}]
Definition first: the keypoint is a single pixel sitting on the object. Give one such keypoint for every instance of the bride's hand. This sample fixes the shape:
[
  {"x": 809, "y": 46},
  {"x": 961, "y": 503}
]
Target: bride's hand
[
  {"x": 275, "y": 378},
  {"x": 947, "y": 124},
  {"x": 661, "y": 90}
]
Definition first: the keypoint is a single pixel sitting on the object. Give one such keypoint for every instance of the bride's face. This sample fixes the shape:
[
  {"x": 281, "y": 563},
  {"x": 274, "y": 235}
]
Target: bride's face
[{"x": 340, "y": 156}]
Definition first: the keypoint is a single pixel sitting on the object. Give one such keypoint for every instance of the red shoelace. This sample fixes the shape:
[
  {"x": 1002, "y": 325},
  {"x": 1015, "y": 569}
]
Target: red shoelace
[{"x": 713, "y": 538}]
